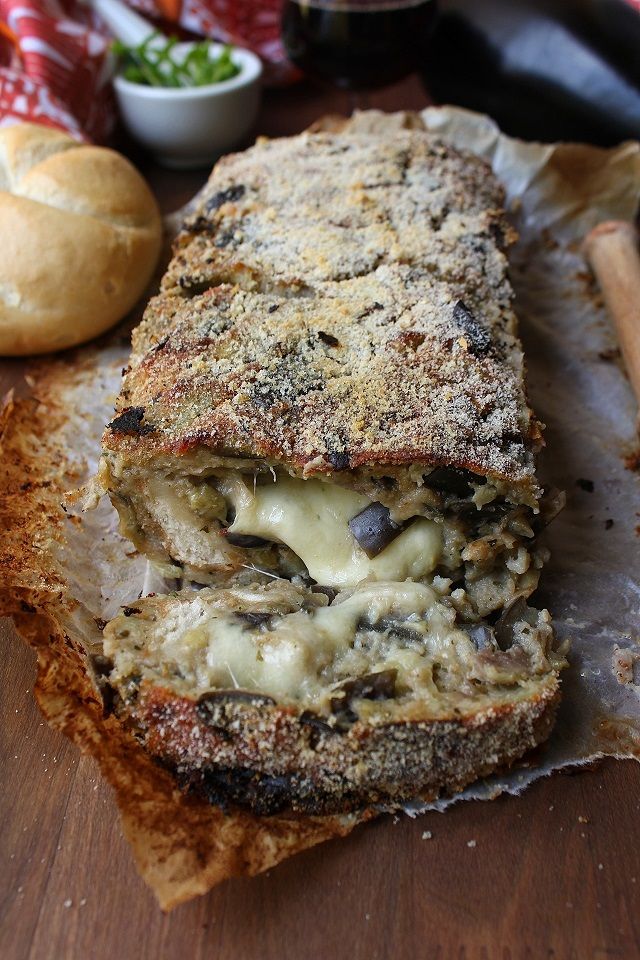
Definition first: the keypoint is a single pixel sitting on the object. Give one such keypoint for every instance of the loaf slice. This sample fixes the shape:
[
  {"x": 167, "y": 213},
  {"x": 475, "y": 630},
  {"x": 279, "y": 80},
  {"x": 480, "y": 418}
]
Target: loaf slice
[
  {"x": 275, "y": 697},
  {"x": 299, "y": 211},
  {"x": 376, "y": 393}
]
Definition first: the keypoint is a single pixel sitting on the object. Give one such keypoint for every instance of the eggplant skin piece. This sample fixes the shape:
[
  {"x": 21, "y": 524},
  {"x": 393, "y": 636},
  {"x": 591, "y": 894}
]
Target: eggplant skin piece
[
  {"x": 374, "y": 529},
  {"x": 301, "y": 767}
]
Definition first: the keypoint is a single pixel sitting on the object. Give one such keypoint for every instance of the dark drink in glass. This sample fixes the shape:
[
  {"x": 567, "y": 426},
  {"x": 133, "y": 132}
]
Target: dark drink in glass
[{"x": 357, "y": 44}]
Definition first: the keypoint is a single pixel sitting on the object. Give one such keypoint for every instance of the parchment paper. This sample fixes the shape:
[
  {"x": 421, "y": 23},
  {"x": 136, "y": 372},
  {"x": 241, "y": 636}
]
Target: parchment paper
[
  {"x": 577, "y": 387},
  {"x": 592, "y": 583}
]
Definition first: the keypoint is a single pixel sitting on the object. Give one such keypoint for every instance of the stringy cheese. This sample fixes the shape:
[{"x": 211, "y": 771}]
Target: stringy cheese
[{"x": 312, "y": 518}]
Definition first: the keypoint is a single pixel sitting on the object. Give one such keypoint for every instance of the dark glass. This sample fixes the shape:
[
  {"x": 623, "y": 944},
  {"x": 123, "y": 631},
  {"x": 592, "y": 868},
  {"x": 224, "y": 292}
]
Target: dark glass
[
  {"x": 543, "y": 69},
  {"x": 357, "y": 45}
]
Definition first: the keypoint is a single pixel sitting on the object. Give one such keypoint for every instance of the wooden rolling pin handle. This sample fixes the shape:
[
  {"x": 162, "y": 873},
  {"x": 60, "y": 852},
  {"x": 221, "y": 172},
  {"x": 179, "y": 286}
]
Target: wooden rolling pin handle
[{"x": 612, "y": 250}]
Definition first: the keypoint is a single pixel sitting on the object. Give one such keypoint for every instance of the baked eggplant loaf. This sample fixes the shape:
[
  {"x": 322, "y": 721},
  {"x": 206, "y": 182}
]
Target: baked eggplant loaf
[{"x": 323, "y": 435}]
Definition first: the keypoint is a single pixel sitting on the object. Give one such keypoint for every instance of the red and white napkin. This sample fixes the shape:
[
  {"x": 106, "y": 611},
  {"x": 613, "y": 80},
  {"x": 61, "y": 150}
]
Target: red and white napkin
[{"x": 55, "y": 69}]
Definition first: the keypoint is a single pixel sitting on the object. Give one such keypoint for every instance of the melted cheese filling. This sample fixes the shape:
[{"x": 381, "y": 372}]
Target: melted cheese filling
[
  {"x": 291, "y": 661},
  {"x": 312, "y": 518},
  {"x": 302, "y": 653},
  {"x": 282, "y": 641}
]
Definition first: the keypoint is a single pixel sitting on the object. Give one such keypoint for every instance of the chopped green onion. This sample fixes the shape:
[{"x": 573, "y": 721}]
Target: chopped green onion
[{"x": 155, "y": 66}]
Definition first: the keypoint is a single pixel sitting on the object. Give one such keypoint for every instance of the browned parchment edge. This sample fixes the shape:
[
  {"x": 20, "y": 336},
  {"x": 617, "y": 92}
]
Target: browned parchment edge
[{"x": 182, "y": 845}]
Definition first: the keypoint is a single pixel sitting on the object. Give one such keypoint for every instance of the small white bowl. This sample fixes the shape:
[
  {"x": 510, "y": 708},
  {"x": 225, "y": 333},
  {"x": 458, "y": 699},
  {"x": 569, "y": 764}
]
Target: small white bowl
[{"x": 192, "y": 126}]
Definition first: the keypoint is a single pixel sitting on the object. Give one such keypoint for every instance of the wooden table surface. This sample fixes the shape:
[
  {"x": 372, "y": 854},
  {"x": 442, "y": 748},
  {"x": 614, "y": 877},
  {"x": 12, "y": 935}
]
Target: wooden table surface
[{"x": 554, "y": 873}]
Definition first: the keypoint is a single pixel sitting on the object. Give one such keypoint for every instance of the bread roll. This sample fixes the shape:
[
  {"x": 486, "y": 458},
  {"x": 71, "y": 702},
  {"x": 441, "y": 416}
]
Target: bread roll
[{"x": 81, "y": 234}]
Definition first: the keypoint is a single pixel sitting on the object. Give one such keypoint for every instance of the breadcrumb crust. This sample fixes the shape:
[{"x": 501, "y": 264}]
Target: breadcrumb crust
[{"x": 335, "y": 301}]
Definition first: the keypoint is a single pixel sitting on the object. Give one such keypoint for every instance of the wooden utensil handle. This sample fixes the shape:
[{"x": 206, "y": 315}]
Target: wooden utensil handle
[{"x": 612, "y": 250}]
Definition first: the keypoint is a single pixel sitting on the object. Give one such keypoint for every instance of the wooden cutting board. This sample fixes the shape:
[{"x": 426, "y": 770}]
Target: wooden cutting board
[{"x": 554, "y": 873}]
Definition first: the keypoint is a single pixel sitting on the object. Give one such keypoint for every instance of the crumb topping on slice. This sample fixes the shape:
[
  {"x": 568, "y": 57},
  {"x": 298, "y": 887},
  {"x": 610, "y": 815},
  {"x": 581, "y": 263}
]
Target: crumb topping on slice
[{"x": 337, "y": 301}]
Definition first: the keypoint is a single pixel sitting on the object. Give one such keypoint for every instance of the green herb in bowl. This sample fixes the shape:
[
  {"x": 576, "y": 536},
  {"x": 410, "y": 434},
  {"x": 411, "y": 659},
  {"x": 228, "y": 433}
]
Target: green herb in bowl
[{"x": 155, "y": 64}]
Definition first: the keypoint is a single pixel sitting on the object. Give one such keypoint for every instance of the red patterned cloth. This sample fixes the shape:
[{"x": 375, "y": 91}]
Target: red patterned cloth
[
  {"x": 55, "y": 66},
  {"x": 56, "y": 69}
]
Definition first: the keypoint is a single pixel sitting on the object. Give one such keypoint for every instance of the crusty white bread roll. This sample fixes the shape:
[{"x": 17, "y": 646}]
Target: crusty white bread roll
[{"x": 80, "y": 235}]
